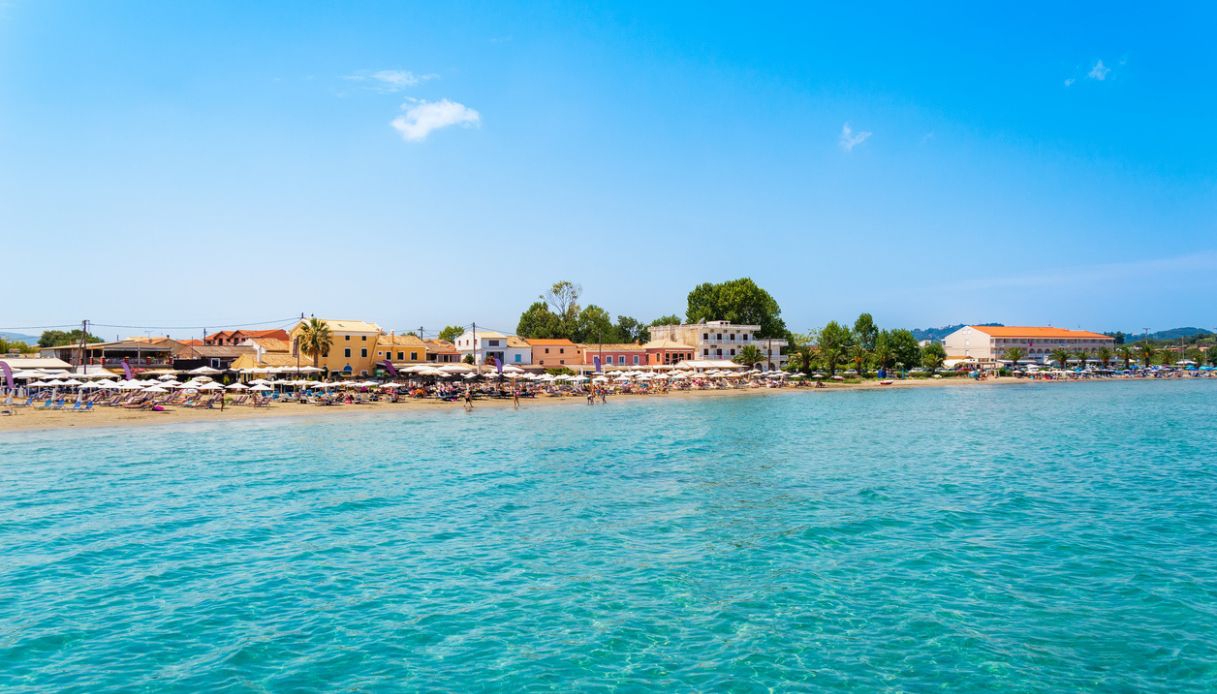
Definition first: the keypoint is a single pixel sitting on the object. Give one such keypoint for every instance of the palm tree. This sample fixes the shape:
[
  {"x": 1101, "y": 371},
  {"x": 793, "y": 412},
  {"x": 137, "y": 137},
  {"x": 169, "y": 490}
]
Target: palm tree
[
  {"x": 1061, "y": 357},
  {"x": 1146, "y": 352},
  {"x": 858, "y": 355},
  {"x": 933, "y": 356},
  {"x": 1013, "y": 355},
  {"x": 315, "y": 339},
  {"x": 1124, "y": 352},
  {"x": 1104, "y": 354},
  {"x": 1082, "y": 355},
  {"x": 749, "y": 356}
]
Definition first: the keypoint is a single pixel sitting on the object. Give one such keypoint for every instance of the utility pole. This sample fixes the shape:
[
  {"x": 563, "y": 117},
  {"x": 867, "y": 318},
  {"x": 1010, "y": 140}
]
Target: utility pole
[
  {"x": 84, "y": 337},
  {"x": 477, "y": 367}
]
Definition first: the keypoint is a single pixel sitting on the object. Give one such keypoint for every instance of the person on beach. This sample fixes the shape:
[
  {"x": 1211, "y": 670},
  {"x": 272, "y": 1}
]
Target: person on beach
[
  {"x": 468, "y": 398},
  {"x": 515, "y": 397},
  {"x": 591, "y": 396},
  {"x": 604, "y": 396}
]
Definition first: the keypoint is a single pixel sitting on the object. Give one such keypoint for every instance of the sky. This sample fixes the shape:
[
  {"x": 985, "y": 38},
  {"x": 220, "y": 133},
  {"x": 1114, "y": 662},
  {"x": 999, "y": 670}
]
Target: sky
[{"x": 179, "y": 165}]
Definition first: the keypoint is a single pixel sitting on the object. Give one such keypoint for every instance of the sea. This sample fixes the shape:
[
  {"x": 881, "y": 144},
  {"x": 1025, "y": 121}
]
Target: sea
[{"x": 1024, "y": 538}]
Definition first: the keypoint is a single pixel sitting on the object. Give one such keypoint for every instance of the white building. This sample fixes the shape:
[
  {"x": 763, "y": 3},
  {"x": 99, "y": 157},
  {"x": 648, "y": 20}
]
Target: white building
[
  {"x": 723, "y": 340},
  {"x": 986, "y": 343},
  {"x": 490, "y": 345}
]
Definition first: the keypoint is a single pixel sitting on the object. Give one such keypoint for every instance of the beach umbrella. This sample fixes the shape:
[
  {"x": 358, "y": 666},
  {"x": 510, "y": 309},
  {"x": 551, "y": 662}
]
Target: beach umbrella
[
  {"x": 131, "y": 385},
  {"x": 237, "y": 386},
  {"x": 39, "y": 384},
  {"x": 260, "y": 388},
  {"x": 211, "y": 386},
  {"x": 204, "y": 371},
  {"x": 72, "y": 382},
  {"x": 155, "y": 389}
]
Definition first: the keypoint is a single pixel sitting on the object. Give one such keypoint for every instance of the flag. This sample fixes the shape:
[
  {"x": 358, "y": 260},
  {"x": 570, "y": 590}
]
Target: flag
[
  {"x": 8, "y": 374},
  {"x": 596, "y": 361},
  {"x": 390, "y": 368},
  {"x": 127, "y": 372},
  {"x": 498, "y": 365}
]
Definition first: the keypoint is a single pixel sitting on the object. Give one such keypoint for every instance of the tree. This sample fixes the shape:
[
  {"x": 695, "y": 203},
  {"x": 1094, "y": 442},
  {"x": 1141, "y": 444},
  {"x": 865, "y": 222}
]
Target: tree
[
  {"x": 738, "y": 301},
  {"x": 19, "y": 346},
  {"x": 835, "y": 342},
  {"x": 933, "y": 356},
  {"x": 315, "y": 339},
  {"x": 1145, "y": 353},
  {"x": 1105, "y": 356},
  {"x": 539, "y": 322},
  {"x": 563, "y": 300},
  {"x": 450, "y": 333},
  {"x": 802, "y": 352},
  {"x": 631, "y": 330},
  {"x": 858, "y": 355},
  {"x": 667, "y": 320},
  {"x": 1061, "y": 357},
  {"x": 467, "y": 359},
  {"x": 1125, "y": 353},
  {"x": 904, "y": 347},
  {"x": 1194, "y": 354},
  {"x": 885, "y": 357},
  {"x": 749, "y": 356},
  {"x": 59, "y": 338},
  {"x": 865, "y": 331},
  {"x": 594, "y": 325},
  {"x": 1212, "y": 355},
  {"x": 1013, "y": 355}
]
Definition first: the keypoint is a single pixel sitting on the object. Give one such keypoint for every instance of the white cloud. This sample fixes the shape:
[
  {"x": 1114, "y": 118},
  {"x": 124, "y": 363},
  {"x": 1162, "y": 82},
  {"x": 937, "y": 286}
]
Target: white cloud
[
  {"x": 1069, "y": 82},
  {"x": 1099, "y": 71},
  {"x": 423, "y": 117},
  {"x": 391, "y": 80},
  {"x": 850, "y": 139}
]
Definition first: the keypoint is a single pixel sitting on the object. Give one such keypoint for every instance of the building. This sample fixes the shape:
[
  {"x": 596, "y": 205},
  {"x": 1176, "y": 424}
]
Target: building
[
  {"x": 555, "y": 353},
  {"x": 615, "y": 354},
  {"x": 668, "y": 352},
  {"x": 215, "y": 356},
  {"x": 441, "y": 352},
  {"x": 352, "y": 347},
  {"x": 723, "y": 340},
  {"x": 236, "y": 337},
  {"x": 137, "y": 354},
  {"x": 401, "y": 350},
  {"x": 489, "y": 345},
  {"x": 987, "y": 343}
]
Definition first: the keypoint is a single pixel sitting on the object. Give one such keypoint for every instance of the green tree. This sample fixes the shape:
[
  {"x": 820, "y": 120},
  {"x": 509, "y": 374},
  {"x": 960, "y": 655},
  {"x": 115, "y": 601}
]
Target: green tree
[
  {"x": 739, "y": 301},
  {"x": 563, "y": 301},
  {"x": 19, "y": 346},
  {"x": 451, "y": 332},
  {"x": 59, "y": 338},
  {"x": 1146, "y": 353},
  {"x": 1105, "y": 355},
  {"x": 538, "y": 321},
  {"x": 1194, "y": 354},
  {"x": 865, "y": 331},
  {"x": 632, "y": 330},
  {"x": 1014, "y": 355},
  {"x": 1061, "y": 357},
  {"x": 905, "y": 348},
  {"x": 593, "y": 324},
  {"x": 315, "y": 339},
  {"x": 859, "y": 356},
  {"x": 1212, "y": 355},
  {"x": 749, "y": 356},
  {"x": 802, "y": 353},
  {"x": 933, "y": 356},
  {"x": 884, "y": 355},
  {"x": 666, "y": 320},
  {"x": 467, "y": 359},
  {"x": 1125, "y": 353},
  {"x": 835, "y": 341}
]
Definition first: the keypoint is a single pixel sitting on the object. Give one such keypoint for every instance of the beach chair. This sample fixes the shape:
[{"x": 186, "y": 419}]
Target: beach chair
[
  {"x": 75, "y": 406},
  {"x": 88, "y": 406}
]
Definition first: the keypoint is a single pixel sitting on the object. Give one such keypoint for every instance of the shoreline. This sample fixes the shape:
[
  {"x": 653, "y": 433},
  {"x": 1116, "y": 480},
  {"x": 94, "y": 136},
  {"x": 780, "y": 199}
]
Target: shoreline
[{"x": 34, "y": 420}]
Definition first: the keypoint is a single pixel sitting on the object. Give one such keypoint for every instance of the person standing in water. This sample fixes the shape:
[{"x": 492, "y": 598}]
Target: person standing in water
[
  {"x": 468, "y": 398},
  {"x": 515, "y": 397}
]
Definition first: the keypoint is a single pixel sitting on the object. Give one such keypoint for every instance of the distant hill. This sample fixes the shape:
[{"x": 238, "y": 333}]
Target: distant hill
[
  {"x": 936, "y": 334},
  {"x": 18, "y": 337},
  {"x": 1172, "y": 334}
]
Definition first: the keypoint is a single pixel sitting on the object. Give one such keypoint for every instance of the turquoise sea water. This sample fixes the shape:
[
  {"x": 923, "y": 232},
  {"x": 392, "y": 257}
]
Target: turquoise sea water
[{"x": 1039, "y": 538}]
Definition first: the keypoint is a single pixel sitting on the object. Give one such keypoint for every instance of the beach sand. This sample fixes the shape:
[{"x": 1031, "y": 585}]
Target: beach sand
[{"x": 34, "y": 419}]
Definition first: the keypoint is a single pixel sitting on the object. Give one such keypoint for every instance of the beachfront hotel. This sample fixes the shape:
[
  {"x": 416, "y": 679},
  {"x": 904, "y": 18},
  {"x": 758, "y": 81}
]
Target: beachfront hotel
[
  {"x": 487, "y": 345},
  {"x": 987, "y": 343},
  {"x": 555, "y": 353},
  {"x": 722, "y": 340}
]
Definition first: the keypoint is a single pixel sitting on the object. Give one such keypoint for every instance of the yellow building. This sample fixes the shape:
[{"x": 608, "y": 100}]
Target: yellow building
[
  {"x": 352, "y": 347},
  {"x": 400, "y": 349}
]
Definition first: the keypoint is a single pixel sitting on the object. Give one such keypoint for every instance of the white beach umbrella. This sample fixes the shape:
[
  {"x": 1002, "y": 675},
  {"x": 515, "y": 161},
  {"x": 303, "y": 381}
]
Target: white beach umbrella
[
  {"x": 39, "y": 384},
  {"x": 131, "y": 385},
  {"x": 72, "y": 382},
  {"x": 155, "y": 389},
  {"x": 92, "y": 385},
  {"x": 109, "y": 385},
  {"x": 237, "y": 386},
  {"x": 211, "y": 386},
  {"x": 455, "y": 368},
  {"x": 261, "y": 388}
]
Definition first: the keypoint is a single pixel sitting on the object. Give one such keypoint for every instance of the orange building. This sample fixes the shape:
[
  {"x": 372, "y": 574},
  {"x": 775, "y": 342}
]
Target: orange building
[{"x": 555, "y": 353}]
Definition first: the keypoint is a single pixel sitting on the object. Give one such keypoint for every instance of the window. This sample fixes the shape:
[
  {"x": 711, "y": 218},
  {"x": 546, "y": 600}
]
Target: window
[
  {"x": 400, "y": 355},
  {"x": 635, "y": 360},
  {"x": 705, "y": 336},
  {"x": 733, "y": 351},
  {"x": 561, "y": 350},
  {"x": 347, "y": 353},
  {"x": 380, "y": 354},
  {"x": 494, "y": 343},
  {"x": 518, "y": 358},
  {"x": 608, "y": 359},
  {"x": 719, "y": 337},
  {"x": 363, "y": 352},
  {"x": 705, "y": 352},
  {"x": 744, "y": 337},
  {"x": 547, "y": 350},
  {"x": 364, "y": 338},
  {"x": 561, "y": 361},
  {"x": 347, "y": 338},
  {"x": 413, "y": 356}
]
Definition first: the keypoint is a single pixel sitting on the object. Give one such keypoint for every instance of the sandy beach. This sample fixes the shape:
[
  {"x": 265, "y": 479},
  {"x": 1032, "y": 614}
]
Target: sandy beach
[{"x": 34, "y": 419}]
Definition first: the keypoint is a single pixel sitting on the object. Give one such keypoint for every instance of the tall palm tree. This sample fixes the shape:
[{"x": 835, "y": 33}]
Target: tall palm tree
[
  {"x": 749, "y": 356},
  {"x": 1124, "y": 352},
  {"x": 1061, "y": 357},
  {"x": 1013, "y": 355},
  {"x": 1146, "y": 352},
  {"x": 1104, "y": 354},
  {"x": 315, "y": 339}
]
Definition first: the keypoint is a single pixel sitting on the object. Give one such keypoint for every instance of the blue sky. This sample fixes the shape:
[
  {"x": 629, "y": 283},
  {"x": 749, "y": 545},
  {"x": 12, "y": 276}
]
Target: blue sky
[{"x": 219, "y": 163}]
